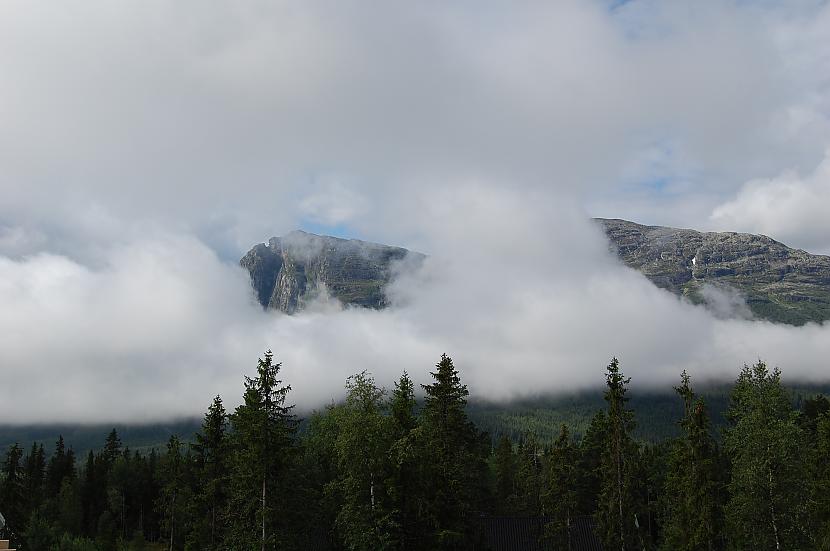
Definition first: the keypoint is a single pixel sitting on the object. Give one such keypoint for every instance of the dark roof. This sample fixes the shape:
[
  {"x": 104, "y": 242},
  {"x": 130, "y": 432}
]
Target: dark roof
[{"x": 525, "y": 534}]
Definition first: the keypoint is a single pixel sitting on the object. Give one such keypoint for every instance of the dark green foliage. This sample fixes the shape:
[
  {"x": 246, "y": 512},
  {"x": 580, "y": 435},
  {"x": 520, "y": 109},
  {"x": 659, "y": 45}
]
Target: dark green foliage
[
  {"x": 377, "y": 473},
  {"x": 12, "y": 491},
  {"x": 61, "y": 467},
  {"x": 175, "y": 495},
  {"x": 766, "y": 508},
  {"x": 588, "y": 476},
  {"x": 692, "y": 493},
  {"x": 405, "y": 490},
  {"x": 504, "y": 464},
  {"x": 263, "y": 438},
  {"x": 812, "y": 410},
  {"x": 366, "y": 519},
  {"x": 619, "y": 511},
  {"x": 210, "y": 464},
  {"x": 457, "y": 463},
  {"x": 560, "y": 496},
  {"x": 529, "y": 477},
  {"x": 820, "y": 492}
]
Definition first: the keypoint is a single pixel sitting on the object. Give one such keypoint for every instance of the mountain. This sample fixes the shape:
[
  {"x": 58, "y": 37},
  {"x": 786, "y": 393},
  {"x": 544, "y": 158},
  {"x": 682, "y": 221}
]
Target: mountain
[
  {"x": 734, "y": 274},
  {"x": 289, "y": 271},
  {"x": 776, "y": 282}
]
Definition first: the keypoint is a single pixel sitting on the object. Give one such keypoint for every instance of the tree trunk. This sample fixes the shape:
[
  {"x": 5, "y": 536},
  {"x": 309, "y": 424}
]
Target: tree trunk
[
  {"x": 213, "y": 526},
  {"x": 172, "y": 519},
  {"x": 568, "y": 527},
  {"x": 372, "y": 488},
  {"x": 772, "y": 513},
  {"x": 263, "y": 513},
  {"x": 620, "y": 492}
]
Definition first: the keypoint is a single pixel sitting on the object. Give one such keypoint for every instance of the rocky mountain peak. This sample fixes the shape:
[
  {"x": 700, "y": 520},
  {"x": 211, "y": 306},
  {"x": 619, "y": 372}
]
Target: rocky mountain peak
[
  {"x": 776, "y": 282},
  {"x": 291, "y": 270}
]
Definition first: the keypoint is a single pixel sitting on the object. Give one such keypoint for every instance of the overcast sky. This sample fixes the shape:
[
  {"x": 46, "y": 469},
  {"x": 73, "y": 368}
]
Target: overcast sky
[{"x": 145, "y": 146}]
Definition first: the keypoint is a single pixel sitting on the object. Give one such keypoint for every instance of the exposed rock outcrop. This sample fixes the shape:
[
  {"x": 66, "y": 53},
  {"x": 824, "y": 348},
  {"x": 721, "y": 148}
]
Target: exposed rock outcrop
[
  {"x": 289, "y": 271},
  {"x": 778, "y": 283}
]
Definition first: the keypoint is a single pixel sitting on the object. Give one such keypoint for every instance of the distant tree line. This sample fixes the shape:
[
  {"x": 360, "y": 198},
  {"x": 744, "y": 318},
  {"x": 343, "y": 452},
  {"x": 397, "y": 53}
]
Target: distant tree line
[{"x": 383, "y": 470}]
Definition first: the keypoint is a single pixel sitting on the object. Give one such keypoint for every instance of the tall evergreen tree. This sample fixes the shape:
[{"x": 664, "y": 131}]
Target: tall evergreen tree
[
  {"x": 172, "y": 503},
  {"x": 588, "y": 474},
  {"x": 456, "y": 448},
  {"x": 766, "y": 508},
  {"x": 90, "y": 489},
  {"x": 12, "y": 490},
  {"x": 618, "y": 510},
  {"x": 560, "y": 497},
  {"x": 693, "y": 519},
  {"x": 505, "y": 476},
  {"x": 112, "y": 449},
  {"x": 406, "y": 494},
  {"x": 211, "y": 451},
  {"x": 61, "y": 468},
  {"x": 820, "y": 473},
  {"x": 263, "y": 431},
  {"x": 34, "y": 476},
  {"x": 529, "y": 476}
]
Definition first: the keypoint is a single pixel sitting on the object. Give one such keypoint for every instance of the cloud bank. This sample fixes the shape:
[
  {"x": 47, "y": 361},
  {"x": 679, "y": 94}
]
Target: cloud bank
[
  {"x": 164, "y": 324},
  {"x": 791, "y": 207},
  {"x": 144, "y": 147}
]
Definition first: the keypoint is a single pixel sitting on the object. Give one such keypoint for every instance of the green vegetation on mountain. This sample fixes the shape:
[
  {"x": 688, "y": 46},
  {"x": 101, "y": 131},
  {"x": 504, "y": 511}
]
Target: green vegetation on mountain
[
  {"x": 776, "y": 282},
  {"x": 735, "y": 274},
  {"x": 291, "y": 270}
]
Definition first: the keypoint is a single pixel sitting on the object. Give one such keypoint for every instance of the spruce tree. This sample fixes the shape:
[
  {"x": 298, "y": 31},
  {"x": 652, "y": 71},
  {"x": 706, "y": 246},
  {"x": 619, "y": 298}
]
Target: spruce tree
[
  {"x": 174, "y": 497},
  {"x": 588, "y": 475},
  {"x": 691, "y": 491},
  {"x": 617, "y": 514},
  {"x": 454, "y": 476},
  {"x": 34, "y": 477},
  {"x": 768, "y": 495},
  {"x": 406, "y": 494},
  {"x": 560, "y": 496},
  {"x": 211, "y": 460},
  {"x": 112, "y": 449},
  {"x": 529, "y": 476},
  {"x": 262, "y": 436},
  {"x": 12, "y": 490},
  {"x": 820, "y": 473},
  {"x": 89, "y": 496},
  {"x": 505, "y": 472}
]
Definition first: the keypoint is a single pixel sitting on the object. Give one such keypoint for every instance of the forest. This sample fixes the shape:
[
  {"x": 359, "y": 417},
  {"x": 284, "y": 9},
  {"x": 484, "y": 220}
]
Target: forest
[{"x": 406, "y": 469}]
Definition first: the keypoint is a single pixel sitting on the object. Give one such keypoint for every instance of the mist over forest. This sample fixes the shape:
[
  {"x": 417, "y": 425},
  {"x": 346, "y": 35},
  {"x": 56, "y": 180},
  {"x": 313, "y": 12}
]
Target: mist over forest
[{"x": 530, "y": 188}]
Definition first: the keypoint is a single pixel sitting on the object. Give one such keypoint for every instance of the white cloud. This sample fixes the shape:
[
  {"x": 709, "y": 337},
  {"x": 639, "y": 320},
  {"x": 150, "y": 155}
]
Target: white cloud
[
  {"x": 139, "y": 140},
  {"x": 521, "y": 292},
  {"x": 333, "y": 205},
  {"x": 790, "y": 207}
]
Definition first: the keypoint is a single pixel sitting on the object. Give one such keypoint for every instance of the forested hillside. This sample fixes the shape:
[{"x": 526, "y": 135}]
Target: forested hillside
[{"x": 381, "y": 471}]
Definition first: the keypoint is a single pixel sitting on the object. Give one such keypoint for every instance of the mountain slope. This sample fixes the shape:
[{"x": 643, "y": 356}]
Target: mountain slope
[
  {"x": 291, "y": 270},
  {"x": 779, "y": 283},
  {"x": 735, "y": 274}
]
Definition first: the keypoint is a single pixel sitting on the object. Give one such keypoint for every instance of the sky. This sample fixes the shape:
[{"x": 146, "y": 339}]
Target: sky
[{"x": 145, "y": 146}]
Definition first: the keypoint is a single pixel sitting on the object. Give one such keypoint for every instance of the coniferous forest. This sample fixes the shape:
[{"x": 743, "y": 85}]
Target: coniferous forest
[{"x": 406, "y": 469}]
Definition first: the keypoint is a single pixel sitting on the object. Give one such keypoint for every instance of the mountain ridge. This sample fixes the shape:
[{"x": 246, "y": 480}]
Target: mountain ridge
[
  {"x": 777, "y": 283},
  {"x": 734, "y": 274},
  {"x": 290, "y": 271}
]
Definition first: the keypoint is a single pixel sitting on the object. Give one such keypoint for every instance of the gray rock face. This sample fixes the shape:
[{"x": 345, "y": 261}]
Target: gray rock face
[
  {"x": 778, "y": 283},
  {"x": 291, "y": 270},
  {"x": 733, "y": 273}
]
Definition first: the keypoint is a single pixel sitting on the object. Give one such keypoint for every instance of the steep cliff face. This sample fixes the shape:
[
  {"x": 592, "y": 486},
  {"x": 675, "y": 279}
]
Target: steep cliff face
[
  {"x": 757, "y": 276},
  {"x": 290, "y": 270},
  {"x": 778, "y": 283}
]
